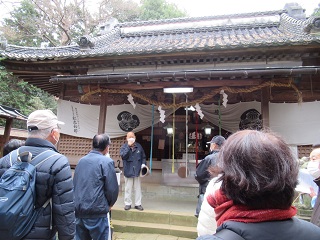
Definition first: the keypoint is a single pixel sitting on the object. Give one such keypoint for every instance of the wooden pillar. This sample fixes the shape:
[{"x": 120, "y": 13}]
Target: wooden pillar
[
  {"x": 103, "y": 113},
  {"x": 7, "y": 130},
  {"x": 265, "y": 97}
]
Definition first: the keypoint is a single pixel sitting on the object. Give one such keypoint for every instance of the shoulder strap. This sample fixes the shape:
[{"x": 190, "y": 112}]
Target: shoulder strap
[
  {"x": 44, "y": 156},
  {"x": 228, "y": 234}
]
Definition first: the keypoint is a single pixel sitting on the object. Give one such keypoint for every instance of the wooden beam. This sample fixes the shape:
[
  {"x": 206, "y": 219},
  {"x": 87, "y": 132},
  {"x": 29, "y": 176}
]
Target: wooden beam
[
  {"x": 7, "y": 130},
  {"x": 265, "y": 97},
  {"x": 103, "y": 113}
]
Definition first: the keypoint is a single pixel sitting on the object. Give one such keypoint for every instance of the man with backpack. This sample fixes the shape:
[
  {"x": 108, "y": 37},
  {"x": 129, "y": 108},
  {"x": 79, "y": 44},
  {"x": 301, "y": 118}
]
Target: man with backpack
[
  {"x": 203, "y": 175},
  {"x": 54, "y": 203}
]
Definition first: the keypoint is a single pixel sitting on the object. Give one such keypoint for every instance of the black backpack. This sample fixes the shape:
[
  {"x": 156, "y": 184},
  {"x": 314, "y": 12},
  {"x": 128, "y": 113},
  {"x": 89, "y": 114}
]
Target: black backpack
[{"x": 17, "y": 194}]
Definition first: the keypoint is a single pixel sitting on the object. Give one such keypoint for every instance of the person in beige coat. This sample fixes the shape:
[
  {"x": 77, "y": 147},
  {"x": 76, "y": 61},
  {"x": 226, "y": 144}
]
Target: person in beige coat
[{"x": 207, "y": 218}]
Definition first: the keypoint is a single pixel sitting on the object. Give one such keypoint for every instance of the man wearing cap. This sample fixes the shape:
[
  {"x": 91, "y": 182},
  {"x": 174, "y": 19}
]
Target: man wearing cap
[
  {"x": 53, "y": 179},
  {"x": 202, "y": 174},
  {"x": 134, "y": 159}
]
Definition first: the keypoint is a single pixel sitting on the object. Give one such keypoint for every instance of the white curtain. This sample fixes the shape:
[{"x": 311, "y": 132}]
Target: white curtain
[
  {"x": 81, "y": 120},
  {"x": 297, "y": 123}
]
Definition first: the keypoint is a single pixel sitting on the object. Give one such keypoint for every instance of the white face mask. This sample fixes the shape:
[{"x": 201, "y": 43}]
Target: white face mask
[
  {"x": 57, "y": 140},
  {"x": 314, "y": 169},
  {"x": 131, "y": 140}
]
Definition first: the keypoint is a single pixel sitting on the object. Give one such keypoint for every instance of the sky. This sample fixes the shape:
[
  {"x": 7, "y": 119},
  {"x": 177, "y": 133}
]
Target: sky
[{"x": 198, "y": 8}]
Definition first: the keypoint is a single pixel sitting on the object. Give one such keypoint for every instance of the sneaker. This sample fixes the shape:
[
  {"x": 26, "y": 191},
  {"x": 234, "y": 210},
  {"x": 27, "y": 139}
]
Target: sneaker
[
  {"x": 127, "y": 207},
  {"x": 140, "y": 208}
]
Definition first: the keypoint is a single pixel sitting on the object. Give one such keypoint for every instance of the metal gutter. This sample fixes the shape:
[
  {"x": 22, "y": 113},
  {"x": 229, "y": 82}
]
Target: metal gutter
[{"x": 187, "y": 74}]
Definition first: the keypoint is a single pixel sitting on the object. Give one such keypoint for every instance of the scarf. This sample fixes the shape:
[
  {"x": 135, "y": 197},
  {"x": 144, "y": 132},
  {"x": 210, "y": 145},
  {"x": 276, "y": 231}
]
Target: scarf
[{"x": 226, "y": 211}]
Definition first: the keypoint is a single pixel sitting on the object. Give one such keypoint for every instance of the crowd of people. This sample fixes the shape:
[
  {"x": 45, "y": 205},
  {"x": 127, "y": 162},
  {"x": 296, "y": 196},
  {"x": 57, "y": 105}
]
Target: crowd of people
[{"x": 246, "y": 185}]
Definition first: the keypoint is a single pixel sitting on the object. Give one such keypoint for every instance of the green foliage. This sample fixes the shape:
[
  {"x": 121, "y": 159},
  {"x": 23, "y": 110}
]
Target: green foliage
[
  {"x": 18, "y": 94},
  {"x": 316, "y": 12},
  {"x": 63, "y": 22},
  {"x": 159, "y": 9},
  {"x": 22, "y": 28}
]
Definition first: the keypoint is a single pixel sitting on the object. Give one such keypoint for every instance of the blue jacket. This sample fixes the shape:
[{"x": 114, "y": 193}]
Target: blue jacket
[
  {"x": 95, "y": 185},
  {"x": 132, "y": 159},
  {"x": 315, "y": 218},
  {"x": 53, "y": 180}
]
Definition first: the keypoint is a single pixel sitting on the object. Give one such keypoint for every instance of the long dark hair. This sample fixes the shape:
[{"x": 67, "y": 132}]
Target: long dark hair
[{"x": 258, "y": 170}]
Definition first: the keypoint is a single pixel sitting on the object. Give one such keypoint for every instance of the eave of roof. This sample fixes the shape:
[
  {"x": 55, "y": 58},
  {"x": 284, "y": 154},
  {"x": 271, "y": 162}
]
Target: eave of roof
[{"x": 8, "y": 113}]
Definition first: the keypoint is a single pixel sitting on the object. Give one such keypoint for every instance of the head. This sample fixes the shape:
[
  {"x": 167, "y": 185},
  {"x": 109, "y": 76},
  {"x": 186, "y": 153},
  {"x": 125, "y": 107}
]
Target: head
[
  {"x": 12, "y": 145},
  {"x": 131, "y": 136},
  {"x": 101, "y": 143},
  {"x": 258, "y": 170},
  {"x": 44, "y": 124},
  {"x": 216, "y": 142},
  {"x": 314, "y": 163}
]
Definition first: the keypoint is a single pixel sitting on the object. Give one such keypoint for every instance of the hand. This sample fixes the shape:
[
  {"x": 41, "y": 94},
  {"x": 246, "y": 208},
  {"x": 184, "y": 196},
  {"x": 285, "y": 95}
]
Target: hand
[
  {"x": 131, "y": 142},
  {"x": 312, "y": 192}
]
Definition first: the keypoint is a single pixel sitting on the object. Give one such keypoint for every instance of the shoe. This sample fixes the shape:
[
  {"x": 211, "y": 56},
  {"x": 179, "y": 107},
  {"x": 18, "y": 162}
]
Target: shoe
[
  {"x": 140, "y": 208},
  {"x": 127, "y": 207}
]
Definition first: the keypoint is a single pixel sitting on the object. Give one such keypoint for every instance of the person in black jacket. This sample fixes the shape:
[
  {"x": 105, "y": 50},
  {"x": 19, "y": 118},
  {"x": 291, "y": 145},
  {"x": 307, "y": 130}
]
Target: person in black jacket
[
  {"x": 95, "y": 190},
  {"x": 134, "y": 159},
  {"x": 203, "y": 176},
  {"x": 53, "y": 179},
  {"x": 12, "y": 145}
]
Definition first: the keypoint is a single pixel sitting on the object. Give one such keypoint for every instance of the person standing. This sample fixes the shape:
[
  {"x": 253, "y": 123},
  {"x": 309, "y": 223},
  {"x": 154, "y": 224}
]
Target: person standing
[
  {"x": 314, "y": 169},
  {"x": 53, "y": 178},
  {"x": 95, "y": 190},
  {"x": 203, "y": 176},
  {"x": 258, "y": 180},
  {"x": 134, "y": 159}
]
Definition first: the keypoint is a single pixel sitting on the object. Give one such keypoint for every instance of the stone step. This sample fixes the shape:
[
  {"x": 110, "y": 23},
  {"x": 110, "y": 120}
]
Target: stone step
[
  {"x": 154, "y": 228},
  {"x": 153, "y": 216},
  {"x": 154, "y": 222}
]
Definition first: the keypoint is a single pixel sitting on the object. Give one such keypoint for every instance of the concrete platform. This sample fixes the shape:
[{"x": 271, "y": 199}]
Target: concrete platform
[
  {"x": 161, "y": 204},
  {"x": 168, "y": 214}
]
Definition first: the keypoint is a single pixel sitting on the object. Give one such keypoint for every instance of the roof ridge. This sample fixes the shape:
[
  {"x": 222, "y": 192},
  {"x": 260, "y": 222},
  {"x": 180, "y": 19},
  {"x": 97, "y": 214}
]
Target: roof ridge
[{"x": 204, "y": 18}]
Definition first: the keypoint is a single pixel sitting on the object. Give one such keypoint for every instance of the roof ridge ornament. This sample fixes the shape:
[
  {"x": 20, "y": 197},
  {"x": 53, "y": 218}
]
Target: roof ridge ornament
[{"x": 85, "y": 42}]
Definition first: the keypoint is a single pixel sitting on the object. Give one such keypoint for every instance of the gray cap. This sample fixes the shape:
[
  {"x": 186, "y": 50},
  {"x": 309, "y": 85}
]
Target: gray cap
[{"x": 219, "y": 140}]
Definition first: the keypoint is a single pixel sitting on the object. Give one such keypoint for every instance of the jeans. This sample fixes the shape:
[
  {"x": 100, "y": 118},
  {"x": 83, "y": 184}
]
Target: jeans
[
  {"x": 200, "y": 200},
  {"x": 92, "y": 228}
]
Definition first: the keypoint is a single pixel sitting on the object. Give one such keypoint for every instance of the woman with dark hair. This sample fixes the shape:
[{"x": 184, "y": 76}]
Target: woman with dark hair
[
  {"x": 12, "y": 145},
  {"x": 258, "y": 180}
]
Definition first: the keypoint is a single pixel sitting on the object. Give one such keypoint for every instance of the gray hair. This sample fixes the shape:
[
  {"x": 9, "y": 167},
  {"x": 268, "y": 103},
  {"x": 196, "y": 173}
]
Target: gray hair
[{"x": 40, "y": 133}]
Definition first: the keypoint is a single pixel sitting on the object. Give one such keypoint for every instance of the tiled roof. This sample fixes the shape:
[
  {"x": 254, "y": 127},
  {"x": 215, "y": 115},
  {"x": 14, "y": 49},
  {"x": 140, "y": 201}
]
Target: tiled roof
[
  {"x": 227, "y": 32},
  {"x": 8, "y": 112}
]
